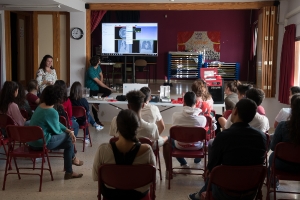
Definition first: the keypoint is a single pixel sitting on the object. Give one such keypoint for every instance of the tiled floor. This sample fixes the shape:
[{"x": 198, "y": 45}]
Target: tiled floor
[{"x": 86, "y": 188}]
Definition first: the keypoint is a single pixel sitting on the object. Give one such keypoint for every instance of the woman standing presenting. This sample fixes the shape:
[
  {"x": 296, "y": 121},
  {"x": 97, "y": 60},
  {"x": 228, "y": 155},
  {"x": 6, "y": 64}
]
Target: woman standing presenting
[{"x": 46, "y": 75}]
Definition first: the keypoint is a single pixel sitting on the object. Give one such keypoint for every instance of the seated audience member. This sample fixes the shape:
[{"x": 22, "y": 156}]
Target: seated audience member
[
  {"x": 21, "y": 101},
  {"x": 284, "y": 113},
  {"x": 31, "y": 96},
  {"x": 239, "y": 145},
  {"x": 150, "y": 113},
  {"x": 77, "y": 100},
  {"x": 230, "y": 101},
  {"x": 57, "y": 136},
  {"x": 126, "y": 151},
  {"x": 259, "y": 121},
  {"x": 67, "y": 105},
  {"x": 189, "y": 117},
  {"x": 257, "y": 95},
  {"x": 136, "y": 103},
  {"x": 204, "y": 99},
  {"x": 287, "y": 131},
  {"x": 8, "y": 106}
]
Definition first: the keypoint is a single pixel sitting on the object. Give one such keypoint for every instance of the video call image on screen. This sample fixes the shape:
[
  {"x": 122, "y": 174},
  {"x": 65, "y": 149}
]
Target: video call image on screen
[{"x": 130, "y": 39}]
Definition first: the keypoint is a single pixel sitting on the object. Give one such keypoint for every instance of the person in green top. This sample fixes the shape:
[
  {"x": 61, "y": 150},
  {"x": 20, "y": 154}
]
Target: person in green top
[
  {"x": 56, "y": 135},
  {"x": 94, "y": 81}
]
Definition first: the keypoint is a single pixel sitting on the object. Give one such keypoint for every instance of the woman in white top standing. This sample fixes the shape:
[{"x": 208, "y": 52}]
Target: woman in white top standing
[{"x": 46, "y": 75}]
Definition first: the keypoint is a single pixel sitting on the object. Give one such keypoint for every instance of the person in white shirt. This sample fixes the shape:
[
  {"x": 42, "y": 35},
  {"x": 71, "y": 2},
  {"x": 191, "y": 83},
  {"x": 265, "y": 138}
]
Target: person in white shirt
[
  {"x": 136, "y": 103},
  {"x": 284, "y": 113},
  {"x": 189, "y": 117}
]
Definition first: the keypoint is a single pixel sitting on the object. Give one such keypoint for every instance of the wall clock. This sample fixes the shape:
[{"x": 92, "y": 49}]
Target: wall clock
[{"x": 77, "y": 33}]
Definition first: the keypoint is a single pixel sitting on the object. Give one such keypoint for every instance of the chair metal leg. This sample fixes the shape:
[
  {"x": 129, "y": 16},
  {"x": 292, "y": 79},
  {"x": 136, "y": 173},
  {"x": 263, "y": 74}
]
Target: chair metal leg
[
  {"x": 42, "y": 172},
  {"x": 49, "y": 165},
  {"x": 5, "y": 174},
  {"x": 17, "y": 168},
  {"x": 90, "y": 137},
  {"x": 158, "y": 160},
  {"x": 83, "y": 146},
  {"x": 6, "y": 154}
]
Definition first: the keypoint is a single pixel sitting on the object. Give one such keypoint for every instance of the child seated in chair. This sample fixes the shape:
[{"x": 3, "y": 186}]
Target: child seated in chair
[{"x": 126, "y": 151}]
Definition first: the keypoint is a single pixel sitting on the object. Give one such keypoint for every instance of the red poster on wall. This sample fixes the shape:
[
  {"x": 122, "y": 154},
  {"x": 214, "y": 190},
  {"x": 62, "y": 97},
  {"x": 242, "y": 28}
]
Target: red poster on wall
[{"x": 197, "y": 41}]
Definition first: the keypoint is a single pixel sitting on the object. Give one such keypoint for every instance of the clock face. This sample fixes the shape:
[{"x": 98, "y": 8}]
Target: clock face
[{"x": 77, "y": 33}]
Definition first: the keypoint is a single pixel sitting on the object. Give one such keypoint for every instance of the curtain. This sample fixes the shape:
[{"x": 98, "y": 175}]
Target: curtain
[
  {"x": 128, "y": 16},
  {"x": 287, "y": 63},
  {"x": 96, "y": 16}
]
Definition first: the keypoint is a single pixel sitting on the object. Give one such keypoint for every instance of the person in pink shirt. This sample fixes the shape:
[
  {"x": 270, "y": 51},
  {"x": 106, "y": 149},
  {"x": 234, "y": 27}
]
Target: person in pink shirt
[
  {"x": 66, "y": 103},
  {"x": 7, "y": 105}
]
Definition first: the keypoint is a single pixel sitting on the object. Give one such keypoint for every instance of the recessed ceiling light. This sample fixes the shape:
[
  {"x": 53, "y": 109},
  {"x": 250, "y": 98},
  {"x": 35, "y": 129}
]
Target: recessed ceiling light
[{"x": 171, "y": 0}]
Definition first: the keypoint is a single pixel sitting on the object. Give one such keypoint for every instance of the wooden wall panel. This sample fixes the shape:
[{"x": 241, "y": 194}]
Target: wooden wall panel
[
  {"x": 7, "y": 45},
  {"x": 56, "y": 43},
  {"x": 35, "y": 44},
  {"x": 88, "y": 37},
  {"x": 181, "y": 6}
]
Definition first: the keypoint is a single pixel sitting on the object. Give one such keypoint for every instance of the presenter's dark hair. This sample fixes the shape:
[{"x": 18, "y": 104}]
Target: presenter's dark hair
[
  {"x": 43, "y": 62},
  {"x": 147, "y": 92},
  {"x": 7, "y": 95},
  {"x": 246, "y": 109},
  {"x": 52, "y": 95},
  {"x": 255, "y": 94},
  {"x": 94, "y": 60},
  {"x": 135, "y": 100},
  {"x": 127, "y": 124},
  {"x": 190, "y": 99}
]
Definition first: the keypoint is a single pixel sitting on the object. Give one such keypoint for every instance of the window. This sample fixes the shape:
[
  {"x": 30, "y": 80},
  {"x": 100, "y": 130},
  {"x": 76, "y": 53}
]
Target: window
[{"x": 297, "y": 63}]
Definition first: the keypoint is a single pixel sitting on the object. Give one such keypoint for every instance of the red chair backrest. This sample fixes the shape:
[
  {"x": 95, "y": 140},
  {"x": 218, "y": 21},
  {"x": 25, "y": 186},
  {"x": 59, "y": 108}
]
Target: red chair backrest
[
  {"x": 78, "y": 111},
  {"x": 24, "y": 113},
  {"x": 63, "y": 121},
  {"x": 6, "y": 120},
  {"x": 238, "y": 178},
  {"x": 187, "y": 134},
  {"x": 126, "y": 177},
  {"x": 288, "y": 152},
  {"x": 24, "y": 134}
]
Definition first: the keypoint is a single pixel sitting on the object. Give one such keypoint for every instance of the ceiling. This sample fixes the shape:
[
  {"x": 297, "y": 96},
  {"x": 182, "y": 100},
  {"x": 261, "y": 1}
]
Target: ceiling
[{"x": 78, "y": 5}]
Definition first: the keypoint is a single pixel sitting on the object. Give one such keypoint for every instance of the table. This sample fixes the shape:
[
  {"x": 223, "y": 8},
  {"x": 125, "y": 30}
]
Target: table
[
  {"x": 168, "y": 105},
  {"x": 106, "y": 75}
]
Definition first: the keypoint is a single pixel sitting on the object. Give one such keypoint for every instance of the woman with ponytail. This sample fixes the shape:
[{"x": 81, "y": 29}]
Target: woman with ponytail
[{"x": 126, "y": 151}]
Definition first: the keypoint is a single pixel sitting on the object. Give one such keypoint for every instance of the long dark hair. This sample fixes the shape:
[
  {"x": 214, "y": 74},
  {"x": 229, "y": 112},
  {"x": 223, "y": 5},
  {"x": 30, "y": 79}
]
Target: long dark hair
[
  {"x": 43, "y": 62},
  {"x": 20, "y": 99},
  {"x": 76, "y": 91},
  {"x": 127, "y": 124},
  {"x": 63, "y": 86},
  {"x": 7, "y": 95},
  {"x": 293, "y": 123}
]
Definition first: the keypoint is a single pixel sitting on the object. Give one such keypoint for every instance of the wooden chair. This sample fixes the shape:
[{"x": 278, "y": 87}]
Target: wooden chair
[
  {"x": 79, "y": 111},
  {"x": 141, "y": 66},
  {"x": 116, "y": 70},
  {"x": 5, "y": 120},
  {"x": 127, "y": 177},
  {"x": 187, "y": 135},
  {"x": 287, "y": 152},
  {"x": 155, "y": 148},
  {"x": 236, "y": 180},
  {"x": 24, "y": 134}
]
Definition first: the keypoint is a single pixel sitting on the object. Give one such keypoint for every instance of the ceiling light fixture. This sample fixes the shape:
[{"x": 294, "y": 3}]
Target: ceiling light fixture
[{"x": 31, "y": 6}]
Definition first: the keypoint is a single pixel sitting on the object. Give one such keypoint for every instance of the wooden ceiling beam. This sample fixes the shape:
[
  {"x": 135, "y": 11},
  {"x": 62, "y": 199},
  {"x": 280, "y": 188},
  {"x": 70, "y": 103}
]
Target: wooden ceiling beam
[{"x": 181, "y": 6}]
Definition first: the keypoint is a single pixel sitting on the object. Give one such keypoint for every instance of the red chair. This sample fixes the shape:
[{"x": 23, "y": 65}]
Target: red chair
[
  {"x": 79, "y": 111},
  {"x": 5, "y": 120},
  {"x": 287, "y": 152},
  {"x": 187, "y": 135},
  {"x": 145, "y": 140},
  {"x": 24, "y": 134},
  {"x": 209, "y": 127},
  {"x": 127, "y": 177},
  {"x": 236, "y": 179}
]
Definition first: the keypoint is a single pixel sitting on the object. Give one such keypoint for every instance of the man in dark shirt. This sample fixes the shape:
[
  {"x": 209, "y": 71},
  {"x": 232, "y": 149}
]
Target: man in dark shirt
[{"x": 240, "y": 145}]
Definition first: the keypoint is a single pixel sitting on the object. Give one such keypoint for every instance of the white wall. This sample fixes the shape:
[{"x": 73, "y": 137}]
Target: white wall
[{"x": 77, "y": 48}]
